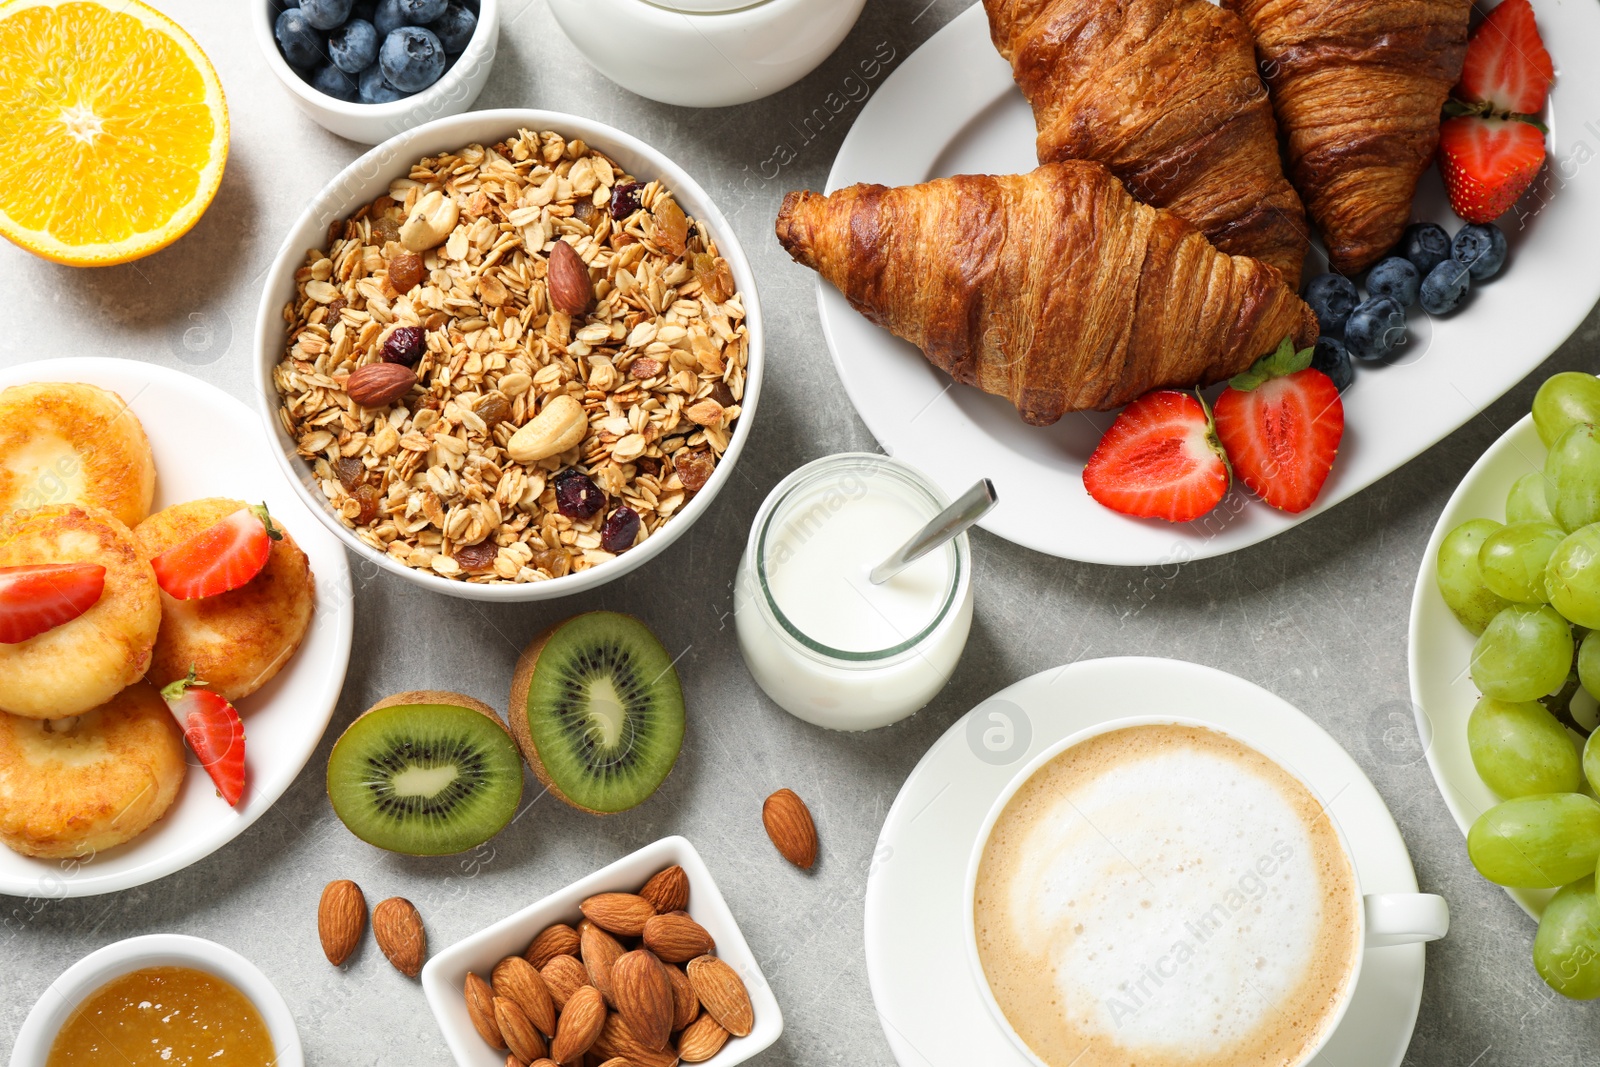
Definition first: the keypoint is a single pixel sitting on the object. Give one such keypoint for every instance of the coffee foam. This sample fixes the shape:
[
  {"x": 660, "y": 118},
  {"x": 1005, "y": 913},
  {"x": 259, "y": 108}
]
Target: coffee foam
[{"x": 1165, "y": 895}]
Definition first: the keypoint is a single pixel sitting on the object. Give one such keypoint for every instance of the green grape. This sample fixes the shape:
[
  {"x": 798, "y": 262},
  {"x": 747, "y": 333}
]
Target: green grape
[
  {"x": 1526, "y": 502},
  {"x": 1564, "y": 400},
  {"x": 1572, "y": 577},
  {"x": 1525, "y": 653},
  {"x": 1460, "y": 581},
  {"x": 1572, "y": 477},
  {"x": 1566, "y": 950},
  {"x": 1520, "y": 749},
  {"x": 1511, "y": 560},
  {"x": 1537, "y": 842},
  {"x": 1589, "y": 663},
  {"x": 1591, "y": 760}
]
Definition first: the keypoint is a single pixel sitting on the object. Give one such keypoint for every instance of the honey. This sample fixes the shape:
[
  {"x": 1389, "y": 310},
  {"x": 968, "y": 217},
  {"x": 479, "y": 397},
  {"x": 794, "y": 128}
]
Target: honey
[{"x": 164, "y": 1017}]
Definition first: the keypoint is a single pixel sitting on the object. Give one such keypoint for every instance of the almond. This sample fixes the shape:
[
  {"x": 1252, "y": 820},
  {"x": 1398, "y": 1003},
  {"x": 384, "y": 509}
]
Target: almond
[
  {"x": 644, "y": 996},
  {"x": 623, "y": 914},
  {"x": 788, "y": 823},
  {"x": 553, "y": 941},
  {"x": 399, "y": 932},
  {"x": 563, "y": 976},
  {"x": 668, "y": 890},
  {"x": 518, "y": 1030},
  {"x": 617, "y": 1040},
  {"x": 685, "y": 1002},
  {"x": 480, "y": 1009},
  {"x": 702, "y": 1040},
  {"x": 514, "y": 1062},
  {"x": 341, "y": 918},
  {"x": 616, "y": 1061},
  {"x": 706, "y": 412},
  {"x": 600, "y": 953},
  {"x": 571, "y": 289},
  {"x": 677, "y": 938},
  {"x": 722, "y": 991},
  {"x": 580, "y": 1023},
  {"x": 517, "y": 981},
  {"x": 377, "y": 385}
]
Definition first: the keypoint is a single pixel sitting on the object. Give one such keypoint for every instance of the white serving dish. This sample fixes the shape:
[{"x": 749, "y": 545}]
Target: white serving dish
[
  {"x": 445, "y": 975},
  {"x": 39, "y": 1030},
  {"x": 455, "y": 91},
  {"x": 367, "y": 178},
  {"x": 706, "y": 53},
  {"x": 206, "y": 443},
  {"x": 952, "y": 108}
]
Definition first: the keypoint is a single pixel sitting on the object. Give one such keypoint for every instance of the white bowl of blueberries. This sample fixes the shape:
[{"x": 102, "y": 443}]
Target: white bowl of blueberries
[
  {"x": 1429, "y": 267},
  {"x": 370, "y": 69}
]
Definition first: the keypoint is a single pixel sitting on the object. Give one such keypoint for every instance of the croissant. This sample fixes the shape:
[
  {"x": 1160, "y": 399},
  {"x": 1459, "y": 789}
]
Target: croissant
[
  {"x": 1054, "y": 289},
  {"x": 1357, "y": 86},
  {"x": 1166, "y": 94}
]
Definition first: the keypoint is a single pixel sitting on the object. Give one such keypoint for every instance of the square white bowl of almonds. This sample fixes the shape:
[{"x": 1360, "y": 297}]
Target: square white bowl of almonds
[{"x": 510, "y": 368}]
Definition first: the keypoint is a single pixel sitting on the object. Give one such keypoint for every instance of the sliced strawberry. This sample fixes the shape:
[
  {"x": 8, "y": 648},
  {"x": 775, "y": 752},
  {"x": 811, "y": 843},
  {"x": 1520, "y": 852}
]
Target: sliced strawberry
[
  {"x": 1281, "y": 423},
  {"x": 41, "y": 597},
  {"x": 212, "y": 728},
  {"x": 1159, "y": 460},
  {"x": 221, "y": 558},
  {"x": 1487, "y": 163},
  {"x": 1507, "y": 66}
]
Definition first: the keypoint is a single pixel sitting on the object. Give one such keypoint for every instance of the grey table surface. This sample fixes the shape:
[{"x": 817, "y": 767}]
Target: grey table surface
[{"x": 1317, "y": 615}]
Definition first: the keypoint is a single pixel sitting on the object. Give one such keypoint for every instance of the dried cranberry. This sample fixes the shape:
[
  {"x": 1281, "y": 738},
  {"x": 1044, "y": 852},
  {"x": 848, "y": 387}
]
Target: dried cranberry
[
  {"x": 577, "y": 496},
  {"x": 405, "y": 345},
  {"x": 619, "y": 530},
  {"x": 625, "y": 200}
]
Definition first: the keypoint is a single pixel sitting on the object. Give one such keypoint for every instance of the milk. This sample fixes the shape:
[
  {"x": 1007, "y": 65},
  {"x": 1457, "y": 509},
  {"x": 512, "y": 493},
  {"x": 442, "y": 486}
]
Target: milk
[{"x": 821, "y": 639}]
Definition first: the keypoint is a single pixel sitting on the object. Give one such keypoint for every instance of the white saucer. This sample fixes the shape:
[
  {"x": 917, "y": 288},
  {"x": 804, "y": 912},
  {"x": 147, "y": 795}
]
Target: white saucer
[{"x": 927, "y": 999}]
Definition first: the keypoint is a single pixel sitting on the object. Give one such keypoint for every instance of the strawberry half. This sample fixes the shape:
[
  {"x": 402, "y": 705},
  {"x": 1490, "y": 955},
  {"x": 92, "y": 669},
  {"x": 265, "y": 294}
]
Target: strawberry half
[
  {"x": 38, "y": 598},
  {"x": 221, "y": 558},
  {"x": 213, "y": 729},
  {"x": 1281, "y": 423},
  {"x": 1487, "y": 163},
  {"x": 1159, "y": 460},
  {"x": 1507, "y": 67}
]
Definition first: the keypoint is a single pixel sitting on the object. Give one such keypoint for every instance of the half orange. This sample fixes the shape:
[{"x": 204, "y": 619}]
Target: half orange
[{"x": 113, "y": 130}]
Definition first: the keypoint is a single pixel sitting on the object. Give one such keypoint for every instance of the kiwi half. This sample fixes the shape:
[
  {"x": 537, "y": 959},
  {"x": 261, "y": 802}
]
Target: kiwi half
[
  {"x": 426, "y": 773},
  {"x": 597, "y": 709}
]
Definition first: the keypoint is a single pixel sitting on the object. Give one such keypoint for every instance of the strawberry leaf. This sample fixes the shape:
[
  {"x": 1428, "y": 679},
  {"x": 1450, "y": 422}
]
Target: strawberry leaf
[{"x": 1283, "y": 362}]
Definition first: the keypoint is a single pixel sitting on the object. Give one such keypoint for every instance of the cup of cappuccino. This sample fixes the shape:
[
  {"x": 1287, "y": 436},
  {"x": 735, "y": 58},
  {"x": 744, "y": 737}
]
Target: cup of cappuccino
[{"x": 1157, "y": 892}]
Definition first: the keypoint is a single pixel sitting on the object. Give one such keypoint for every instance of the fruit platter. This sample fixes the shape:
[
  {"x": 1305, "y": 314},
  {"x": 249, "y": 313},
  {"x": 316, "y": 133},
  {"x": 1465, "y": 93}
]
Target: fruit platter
[{"x": 502, "y": 567}]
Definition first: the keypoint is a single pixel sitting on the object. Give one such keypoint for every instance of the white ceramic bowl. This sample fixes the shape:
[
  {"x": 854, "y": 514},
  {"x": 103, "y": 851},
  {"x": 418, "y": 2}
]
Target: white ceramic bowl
[
  {"x": 369, "y": 177},
  {"x": 39, "y": 1030},
  {"x": 453, "y": 93},
  {"x": 446, "y": 973},
  {"x": 706, "y": 53}
]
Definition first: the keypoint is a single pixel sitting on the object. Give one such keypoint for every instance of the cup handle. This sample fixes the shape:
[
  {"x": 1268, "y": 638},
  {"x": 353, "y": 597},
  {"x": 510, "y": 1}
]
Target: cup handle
[{"x": 1405, "y": 918}]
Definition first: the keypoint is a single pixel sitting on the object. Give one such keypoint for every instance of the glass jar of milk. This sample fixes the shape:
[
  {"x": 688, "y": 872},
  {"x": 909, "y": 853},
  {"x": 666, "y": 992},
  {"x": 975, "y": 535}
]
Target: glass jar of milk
[{"x": 823, "y": 641}]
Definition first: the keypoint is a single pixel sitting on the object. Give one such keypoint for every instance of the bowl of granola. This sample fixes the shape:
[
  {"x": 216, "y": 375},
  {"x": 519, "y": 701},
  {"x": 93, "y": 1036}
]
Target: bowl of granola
[{"x": 510, "y": 355}]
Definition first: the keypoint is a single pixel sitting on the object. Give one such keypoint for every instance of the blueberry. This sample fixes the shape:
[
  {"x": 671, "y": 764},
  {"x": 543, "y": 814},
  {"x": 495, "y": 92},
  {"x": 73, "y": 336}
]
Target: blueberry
[
  {"x": 353, "y": 47},
  {"x": 388, "y": 18},
  {"x": 375, "y": 88},
  {"x": 454, "y": 28},
  {"x": 302, "y": 45},
  {"x": 1444, "y": 287},
  {"x": 326, "y": 14},
  {"x": 1426, "y": 245},
  {"x": 364, "y": 10},
  {"x": 1333, "y": 359},
  {"x": 1482, "y": 247},
  {"x": 1396, "y": 277},
  {"x": 335, "y": 82},
  {"x": 1332, "y": 297},
  {"x": 1376, "y": 325},
  {"x": 412, "y": 58},
  {"x": 422, "y": 12}
]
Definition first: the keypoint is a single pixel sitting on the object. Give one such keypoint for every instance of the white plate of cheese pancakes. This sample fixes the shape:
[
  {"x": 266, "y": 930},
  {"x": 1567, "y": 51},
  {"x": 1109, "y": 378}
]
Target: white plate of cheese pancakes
[
  {"x": 1223, "y": 918},
  {"x": 952, "y": 108}
]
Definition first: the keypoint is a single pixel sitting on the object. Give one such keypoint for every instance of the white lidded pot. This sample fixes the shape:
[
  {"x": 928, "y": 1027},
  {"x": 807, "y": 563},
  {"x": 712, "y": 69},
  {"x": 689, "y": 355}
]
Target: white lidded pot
[{"x": 706, "y": 53}]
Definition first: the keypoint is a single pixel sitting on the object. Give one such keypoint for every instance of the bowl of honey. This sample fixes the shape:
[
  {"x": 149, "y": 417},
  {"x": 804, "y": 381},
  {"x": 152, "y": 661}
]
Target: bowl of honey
[{"x": 163, "y": 1000}]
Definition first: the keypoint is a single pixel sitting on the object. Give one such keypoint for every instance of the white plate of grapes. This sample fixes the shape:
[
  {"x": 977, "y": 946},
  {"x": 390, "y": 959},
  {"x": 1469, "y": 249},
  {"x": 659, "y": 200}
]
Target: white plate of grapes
[{"x": 1505, "y": 671}]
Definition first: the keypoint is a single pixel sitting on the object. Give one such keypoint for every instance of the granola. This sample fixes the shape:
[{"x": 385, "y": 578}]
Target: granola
[{"x": 657, "y": 363}]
